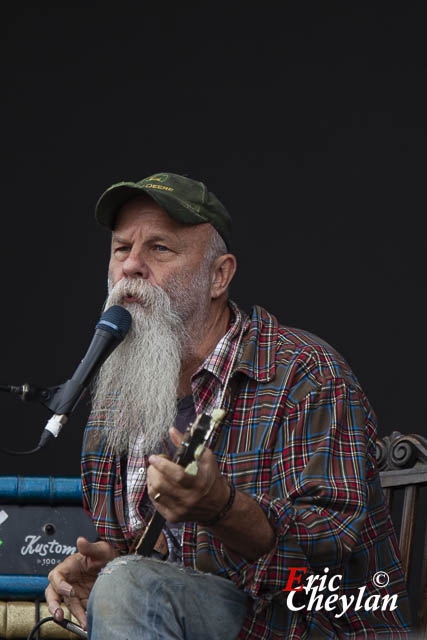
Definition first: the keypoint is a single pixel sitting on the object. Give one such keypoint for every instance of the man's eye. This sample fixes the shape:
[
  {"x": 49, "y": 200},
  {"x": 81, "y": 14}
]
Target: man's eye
[
  {"x": 121, "y": 249},
  {"x": 160, "y": 247}
]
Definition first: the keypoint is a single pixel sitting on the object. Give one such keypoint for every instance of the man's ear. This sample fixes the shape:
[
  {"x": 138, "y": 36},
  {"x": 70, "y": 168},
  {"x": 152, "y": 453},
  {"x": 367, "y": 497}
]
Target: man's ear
[{"x": 223, "y": 271}]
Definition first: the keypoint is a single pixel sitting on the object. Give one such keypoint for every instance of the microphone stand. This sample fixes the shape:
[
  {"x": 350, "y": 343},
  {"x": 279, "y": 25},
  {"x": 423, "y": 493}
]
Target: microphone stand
[
  {"x": 46, "y": 396},
  {"x": 28, "y": 393}
]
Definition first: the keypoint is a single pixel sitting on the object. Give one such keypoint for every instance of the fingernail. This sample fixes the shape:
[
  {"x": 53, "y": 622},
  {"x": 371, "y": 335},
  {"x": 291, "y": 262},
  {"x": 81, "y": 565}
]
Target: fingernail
[
  {"x": 72, "y": 593},
  {"x": 57, "y": 612},
  {"x": 153, "y": 459}
]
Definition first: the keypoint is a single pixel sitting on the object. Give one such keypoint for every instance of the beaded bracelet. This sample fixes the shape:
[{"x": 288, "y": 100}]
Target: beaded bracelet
[{"x": 224, "y": 510}]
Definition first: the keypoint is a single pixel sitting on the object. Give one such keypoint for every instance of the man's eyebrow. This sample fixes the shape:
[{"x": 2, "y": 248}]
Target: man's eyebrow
[
  {"x": 157, "y": 236},
  {"x": 165, "y": 236},
  {"x": 117, "y": 238}
]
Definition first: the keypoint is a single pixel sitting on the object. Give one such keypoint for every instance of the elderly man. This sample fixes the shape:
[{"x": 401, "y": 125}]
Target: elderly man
[{"x": 282, "y": 532}]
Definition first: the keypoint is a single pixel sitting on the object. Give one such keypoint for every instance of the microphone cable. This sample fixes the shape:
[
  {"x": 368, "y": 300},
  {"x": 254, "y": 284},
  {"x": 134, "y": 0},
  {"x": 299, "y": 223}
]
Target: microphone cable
[
  {"x": 22, "y": 390},
  {"x": 66, "y": 624},
  {"x": 11, "y": 452}
]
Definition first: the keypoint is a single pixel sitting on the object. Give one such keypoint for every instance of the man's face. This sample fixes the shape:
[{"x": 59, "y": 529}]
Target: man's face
[
  {"x": 148, "y": 244},
  {"x": 158, "y": 271}
]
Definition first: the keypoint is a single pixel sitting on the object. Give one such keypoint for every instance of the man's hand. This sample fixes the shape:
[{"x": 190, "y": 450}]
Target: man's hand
[
  {"x": 73, "y": 579},
  {"x": 184, "y": 497},
  {"x": 245, "y": 528}
]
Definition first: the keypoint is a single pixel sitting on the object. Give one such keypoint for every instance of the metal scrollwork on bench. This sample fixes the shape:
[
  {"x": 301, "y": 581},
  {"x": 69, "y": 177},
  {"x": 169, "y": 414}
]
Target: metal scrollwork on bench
[{"x": 400, "y": 451}]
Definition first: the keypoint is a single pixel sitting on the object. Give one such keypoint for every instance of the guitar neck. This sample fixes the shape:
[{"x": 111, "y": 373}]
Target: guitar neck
[{"x": 194, "y": 436}]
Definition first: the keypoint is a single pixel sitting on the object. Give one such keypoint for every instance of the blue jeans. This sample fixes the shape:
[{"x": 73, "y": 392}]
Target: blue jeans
[{"x": 140, "y": 598}]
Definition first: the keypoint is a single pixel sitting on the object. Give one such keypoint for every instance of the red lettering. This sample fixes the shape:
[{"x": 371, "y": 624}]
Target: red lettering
[{"x": 292, "y": 577}]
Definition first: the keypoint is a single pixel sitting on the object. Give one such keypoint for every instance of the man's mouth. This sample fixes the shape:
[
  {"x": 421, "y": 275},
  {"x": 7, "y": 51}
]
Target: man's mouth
[{"x": 130, "y": 298}]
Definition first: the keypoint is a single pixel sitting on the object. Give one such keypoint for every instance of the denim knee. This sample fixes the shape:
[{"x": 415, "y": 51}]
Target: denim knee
[
  {"x": 121, "y": 582},
  {"x": 136, "y": 597}
]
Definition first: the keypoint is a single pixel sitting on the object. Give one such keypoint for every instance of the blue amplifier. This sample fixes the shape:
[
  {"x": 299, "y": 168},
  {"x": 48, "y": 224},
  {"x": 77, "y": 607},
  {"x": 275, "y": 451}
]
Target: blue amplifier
[{"x": 40, "y": 520}]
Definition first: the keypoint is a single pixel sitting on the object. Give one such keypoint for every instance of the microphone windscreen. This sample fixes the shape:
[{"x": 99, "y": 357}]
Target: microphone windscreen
[{"x": 116, "y": 320}]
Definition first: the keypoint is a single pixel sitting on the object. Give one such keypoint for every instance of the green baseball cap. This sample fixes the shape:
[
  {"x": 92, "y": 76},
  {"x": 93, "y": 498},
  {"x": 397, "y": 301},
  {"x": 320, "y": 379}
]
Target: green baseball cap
[{"x": 185, "y": 200}]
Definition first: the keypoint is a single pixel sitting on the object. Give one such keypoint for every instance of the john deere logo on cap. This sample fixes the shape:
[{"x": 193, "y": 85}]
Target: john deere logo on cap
[
  {"x": 159, "y": 177},
  {"x": 152, "y": 182}
]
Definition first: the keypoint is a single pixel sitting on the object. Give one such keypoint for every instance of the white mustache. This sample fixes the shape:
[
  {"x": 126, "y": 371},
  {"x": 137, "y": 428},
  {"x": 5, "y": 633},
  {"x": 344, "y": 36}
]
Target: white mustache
[{"x": 144, "y": 292}]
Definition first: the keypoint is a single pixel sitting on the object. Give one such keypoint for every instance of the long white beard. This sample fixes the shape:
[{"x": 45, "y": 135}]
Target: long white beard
[{"x": 136, "y": 388}]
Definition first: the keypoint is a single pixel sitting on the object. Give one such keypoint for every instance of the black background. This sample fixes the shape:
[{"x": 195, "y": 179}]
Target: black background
[{"x": 306, "y": 118}]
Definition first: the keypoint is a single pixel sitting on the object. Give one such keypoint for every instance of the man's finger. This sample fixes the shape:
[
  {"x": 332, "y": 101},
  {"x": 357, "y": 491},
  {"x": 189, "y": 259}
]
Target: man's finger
[
  {"x": 53, "y": 601},
  {"x": 159, "y": 483},
  {"x": 83, "y": 545},
  {"x": 66, "y": 589},
  {"x": 208, "y": 458},
  {"x": 77, "y": 610},
  {"x": 172, "y": 471},
  {"x": 176, "y": 436},
  {"x": 59, "y": 614},
  {"x": 95, "y": 550},
  {"x": 59, "y": 584},
  {"x": 171, "y": 479}
]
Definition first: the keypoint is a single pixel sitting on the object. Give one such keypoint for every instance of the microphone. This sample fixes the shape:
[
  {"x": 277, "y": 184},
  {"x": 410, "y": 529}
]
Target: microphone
[{"x": 109, "y": 333}]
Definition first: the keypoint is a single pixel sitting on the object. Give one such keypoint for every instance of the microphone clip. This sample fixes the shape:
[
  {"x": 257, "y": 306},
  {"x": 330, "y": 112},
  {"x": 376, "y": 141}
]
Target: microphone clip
[{"x": 29, "y": 393}]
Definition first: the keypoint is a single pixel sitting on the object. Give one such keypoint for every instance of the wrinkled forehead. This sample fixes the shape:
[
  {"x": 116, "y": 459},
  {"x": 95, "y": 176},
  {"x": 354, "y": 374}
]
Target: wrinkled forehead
[{"x": 143, "y": 217}]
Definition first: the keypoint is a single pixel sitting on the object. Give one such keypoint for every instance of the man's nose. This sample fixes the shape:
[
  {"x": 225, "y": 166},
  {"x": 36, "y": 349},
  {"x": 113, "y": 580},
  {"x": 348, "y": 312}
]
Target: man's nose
[{"x": 135, "y": 266}]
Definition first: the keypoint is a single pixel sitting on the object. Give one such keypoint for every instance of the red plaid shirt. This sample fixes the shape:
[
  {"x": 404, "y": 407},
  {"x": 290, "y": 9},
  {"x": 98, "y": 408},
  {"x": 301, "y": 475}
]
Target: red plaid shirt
[{"x": 299, "y": 436}]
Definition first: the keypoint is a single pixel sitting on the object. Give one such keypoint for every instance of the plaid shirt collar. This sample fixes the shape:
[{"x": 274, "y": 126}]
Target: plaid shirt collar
[
  {"x": 260, "y": 346},
  {"x": 257, "y": 359}
]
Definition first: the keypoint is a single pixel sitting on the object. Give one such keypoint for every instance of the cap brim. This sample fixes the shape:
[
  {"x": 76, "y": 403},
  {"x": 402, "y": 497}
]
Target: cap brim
[{"x": 111, "y": 201}]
